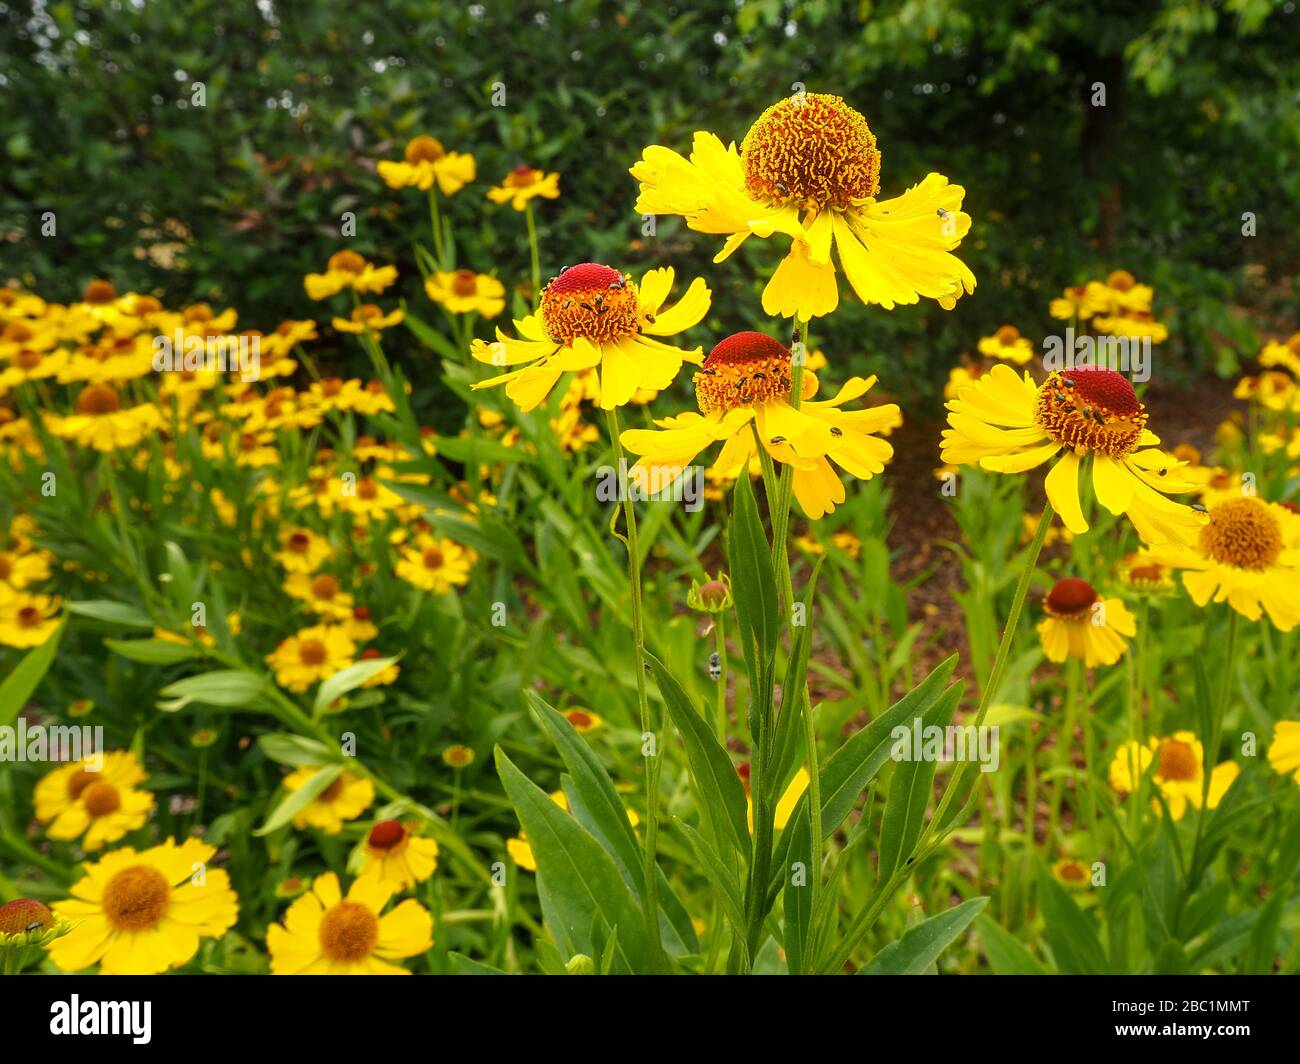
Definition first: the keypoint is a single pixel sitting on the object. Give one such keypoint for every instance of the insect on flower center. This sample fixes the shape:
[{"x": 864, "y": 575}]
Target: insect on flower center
[
  {"x": 745, "y": 368},
  {"x": 1177, "y": 760},
  {"x": 1091, "y": 409},
  {"x": 136, "y": 898},
  {"x": 1070, "y": 597},
  {"x": 464, "y": 283},
  {"x": 813, "y": 151},
  {"x": 1243, "y": 533},
  {"x": 101, "y": 798},
  {"x": 590, "y": 301},
  {"x": 312, "y": 652},
  {"x": 348, "y": 932},
  {"x": 97, "y": 400},
  {"x": 386, "y": 834}
]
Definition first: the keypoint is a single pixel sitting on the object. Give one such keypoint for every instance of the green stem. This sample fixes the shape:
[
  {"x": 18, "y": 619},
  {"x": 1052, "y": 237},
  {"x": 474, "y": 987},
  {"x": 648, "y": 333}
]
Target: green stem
[
  {"x": 643, "y": 702},
  {"x": 720, "y": 642},
  {"x": 435, "y": 223},
  {"x": 533, "y": 252}
]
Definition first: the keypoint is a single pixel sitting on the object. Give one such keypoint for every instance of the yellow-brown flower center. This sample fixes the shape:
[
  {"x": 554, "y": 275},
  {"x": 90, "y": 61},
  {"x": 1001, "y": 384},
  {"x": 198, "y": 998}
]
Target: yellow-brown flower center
[
  {"x": 324, "y": 587},
  {"x": 1091, "y": 409},
  {"x": 333, "y": 790},
  {"x": 522, "y": 177},
  {"x": 136, "y": 898},
  {"x": 1243, "y": 533},
  {"x": 464, "y": 282},
  {"x": 80, "y": 780},
  {"x": 99, "y": 291},
  {"x": 1120, "y": 280},
  {"x": 368, "y": 489},
  {"x": 101, "y": 798},
  {"x": 812, "y": 151},
  {"x": 1007, "y": 335},
  {"x": 592, "y": 302},
  {"x": 6, "y": 567},
  {"x": 298, "y": 542},
  {"x": 745, "y": 368},
  {"x": 312, "y": 652},
  {"x": 1070, "y": 598},
  {"x": 24, "y": 914},
  {"x": 424, "y": 150},
  {"x": 578, "y": 718},
  {"x": 29, "y": 617},
  {"x": 348, "y": 932},
  {"x": 432, "y": 558},
  {"x": 27, "y": 359},
  {"x": 1072, "y": 872},
  {"x": 1177, "y": 760},
  {"x": 97, "y": 400},
  {"x": 346, "y": 262}
]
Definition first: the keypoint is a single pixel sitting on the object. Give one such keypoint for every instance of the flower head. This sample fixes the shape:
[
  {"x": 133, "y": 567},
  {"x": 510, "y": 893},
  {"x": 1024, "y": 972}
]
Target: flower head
[
  {"x": 397, "y": 857},
  {"x": 140, "y": 913},
  {"x": 96, "y": 801},
  {"x": 593, "y": 317},
  {"x": 311, "y": 655},
  {"x": 467, "y": 292},
  {"x": 345, "y": 798},
  {"x": 325, "y": 933},
  {"x": 747, "y": 379},
  {"x": 1178, "y": 771},
  {"x": 1081, "y": 624},
  {"x": 525, "y": 183},
  {"x": 425, "y": 161},
  {"x": 809, "y": 169},
  {"x": 1007, "y": 424}
]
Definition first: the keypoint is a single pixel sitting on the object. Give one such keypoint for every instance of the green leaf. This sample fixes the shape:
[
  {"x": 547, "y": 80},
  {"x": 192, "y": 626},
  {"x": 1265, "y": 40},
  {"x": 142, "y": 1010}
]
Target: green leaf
[
  {"x": 608, "y": 815},
  {"x": 1262, "y": 950},
  {"x": 153, "y": 651},
  {"x": 462, "y": 965},
  {"x": 583, "y": 888},
  {"x": 919, "y": 948},
  {"x": 848, "y": 771},
  {"x": 235, "y": 688},
  {"x": 909, "y": 795},
  {"x": 1071, "y": 932},
  {"x": 719, "y": 792},
  {"x": 112, "y": 613},
  {"x": 348, "y": 679},
  {"x": 18, "y": 686},
  {"x": 300, "y": 799},
  {"x": 721, "y": 878},
  {"x": 1007, "y": 954},
  {"x": 798, "y": 898},
  {"x": 288, "y": 749},
  {"x": 794, "y": 690}
]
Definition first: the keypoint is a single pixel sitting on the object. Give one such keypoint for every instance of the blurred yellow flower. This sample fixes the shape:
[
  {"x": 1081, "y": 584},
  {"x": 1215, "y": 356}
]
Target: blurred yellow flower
[
  {"x": 524, "y": 183},
  {"x": 467, "y": 292},
  {"x": 425, "y": 161},
  {"x": 94, "y": 798},
  {"x": 346, "y": 798}
]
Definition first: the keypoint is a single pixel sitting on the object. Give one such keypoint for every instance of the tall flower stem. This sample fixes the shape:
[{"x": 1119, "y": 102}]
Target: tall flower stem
[
  {"x": 533, "y": 251},
  {"x": 643, "y": 702},
  {"x": 720, "y": 642},
  {"x": 435, "y": 223}
]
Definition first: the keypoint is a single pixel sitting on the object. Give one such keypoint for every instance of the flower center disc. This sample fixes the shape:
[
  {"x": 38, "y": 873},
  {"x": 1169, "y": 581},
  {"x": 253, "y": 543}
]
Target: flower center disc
[
  {"x": 97, "y": 400},
  {"x": 348, "y": 932},
  {"x": 745, "y": 368},
  {"x": 1070, "y": 597},
  {"x": 346, "y": 262},
  {"x": 1091, "y": 409},
  {"x": 464, "y": 283},
  {"x": 324, "y": 587},
  {"x": 312, "y": 652},
  {"x": 386, "y": 834},
  {"x": 424, "y": 150},
  {"x": 1243, "y": 533},
  {"x": 136, "y": 898},
  {"x": 811, "y": 150},
  {"x": 1177, "y": 760},
  {"x": 101, "y": 798},
  {"x": 24, "y": 914},
  {"x": 590, "y": 301}
]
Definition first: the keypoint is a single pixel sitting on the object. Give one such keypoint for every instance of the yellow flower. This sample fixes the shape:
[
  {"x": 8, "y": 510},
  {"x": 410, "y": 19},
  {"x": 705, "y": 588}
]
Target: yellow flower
[
  {"x": 1081, "y": 624},
  {"x": 142, "y": 913},
  {"x": 346, "y": 798},
  {"x": 467, "y": 292},
  {"x": 396, "y": 857},
  {"x": 100, "y": 422},
  {"x": 1080, "y": 300},
  {"x": 458, "y": 756},
  {"x": 383, "y": 678},
  {"x": 18, "y": 569},
  {"x": 593, "y": 316},
  {"x": 28, "y": 364},
  {"x": 1008, "y": 345},
  {"x": 369, "y": 319},
  {"x": 786, "y": 805},
  {"x": 1073, "y": 873},
  {"x": 524, "y": 183},
  {"x": 311, "y": 655},
  {"x": 348, "y": 270},
  {"x": 302, "y": 551},
  {"x": 1286, "y": 355},
  {"x": 1137, "y": 325},
  {"x": 1284, "y": 751},
  {"x": 426, "y": 160},
  {"x": 26, "y": 620},
  {"x": 809, "y": 169},
  {"x": 1122, "y": 294},
  {"x": 584, "y": 720},
  {"x": 1007, "y": 424},
  {"x": 325, "y": 933},
  {"x": 747, "y": 378},
  {"x": 1179, "y": 772},
  {"x": 1248, "y": 556},
  {"x": 94, "y": 799},
  {"x": 1144, "y": 574},
  {"x": 434, "y": 564},
  {"x": 322, "y": 595}
]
